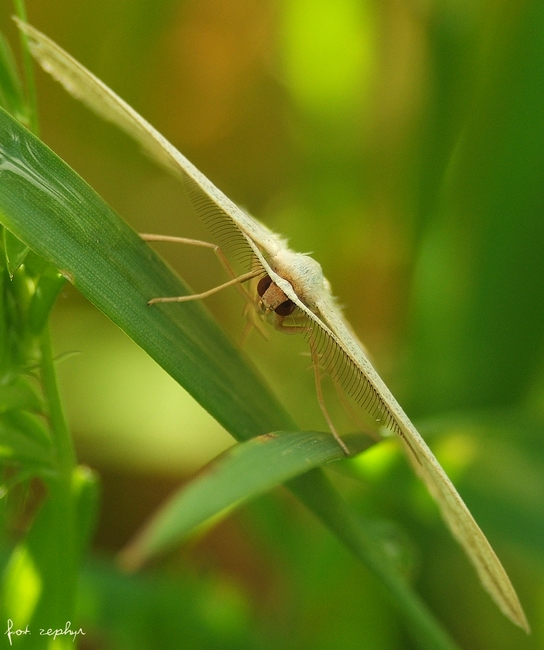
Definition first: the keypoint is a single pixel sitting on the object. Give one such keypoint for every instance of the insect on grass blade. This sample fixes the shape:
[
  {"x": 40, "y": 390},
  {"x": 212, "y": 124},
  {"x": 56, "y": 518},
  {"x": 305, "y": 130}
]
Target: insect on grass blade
[{"x": 295, "y": 296}]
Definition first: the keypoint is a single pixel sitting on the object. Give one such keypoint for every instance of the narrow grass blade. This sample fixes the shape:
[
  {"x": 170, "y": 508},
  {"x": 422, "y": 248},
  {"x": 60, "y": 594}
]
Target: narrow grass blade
[
  {"x": 52, "y": 210},
  {"x": 245, "y": 471}
]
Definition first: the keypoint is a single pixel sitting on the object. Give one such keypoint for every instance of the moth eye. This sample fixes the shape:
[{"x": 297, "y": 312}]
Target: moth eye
[
  {"x": 286, "y": 308},
  {"x": 263, "y": 285}
]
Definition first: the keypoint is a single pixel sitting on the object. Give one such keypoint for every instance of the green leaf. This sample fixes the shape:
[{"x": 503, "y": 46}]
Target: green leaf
[
  {"x": 45, "y": 294},
  {"x": 15, "y": 250},
  {"x": 245, "y": 471}
]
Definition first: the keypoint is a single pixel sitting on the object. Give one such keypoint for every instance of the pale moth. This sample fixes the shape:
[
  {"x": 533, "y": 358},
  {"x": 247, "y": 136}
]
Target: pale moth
[{"x": 295, "y": 294}]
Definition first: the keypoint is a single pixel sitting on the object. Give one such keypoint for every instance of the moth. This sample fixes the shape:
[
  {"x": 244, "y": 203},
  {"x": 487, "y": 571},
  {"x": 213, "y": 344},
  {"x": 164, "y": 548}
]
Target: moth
[{"x": 293, "y": 293}]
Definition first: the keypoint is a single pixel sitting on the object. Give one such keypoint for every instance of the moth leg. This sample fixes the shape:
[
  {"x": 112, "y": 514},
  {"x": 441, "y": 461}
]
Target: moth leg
[
  {"x": 297, "y": 329},
  {"x": 352, "y": 414},
  {"x": 363, "y": 427},
  {"x": 252, "y": 322},
  {"x": 192, "y": 242},
  {"x": 236, "y": 280},
  {"x": 198, "y": 296},
  {"x": 319, "y": 391}
]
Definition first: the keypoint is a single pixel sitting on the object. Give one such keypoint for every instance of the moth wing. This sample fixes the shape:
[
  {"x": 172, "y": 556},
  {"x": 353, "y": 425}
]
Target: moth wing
[
  {"x": 217, "y": 210},
  {"x": 346, "y": 361},
  {"x": 464, "y": 528}
]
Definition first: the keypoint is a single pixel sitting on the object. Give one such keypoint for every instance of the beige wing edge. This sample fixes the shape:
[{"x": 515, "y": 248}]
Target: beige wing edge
[
  {"x": 452, "y": 507},
  {"x": 464, "y": 527},
  {"x": 102, "y": 100}
]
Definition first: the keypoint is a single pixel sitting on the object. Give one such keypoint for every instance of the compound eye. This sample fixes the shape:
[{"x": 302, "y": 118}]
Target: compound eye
[
  {"x": 263, "y": 285},
  {"x": 286, "y": 308}
]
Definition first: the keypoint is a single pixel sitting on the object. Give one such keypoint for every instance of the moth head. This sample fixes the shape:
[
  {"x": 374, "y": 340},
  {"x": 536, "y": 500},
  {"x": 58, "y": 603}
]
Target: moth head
[{"x": 273, "y": 299}]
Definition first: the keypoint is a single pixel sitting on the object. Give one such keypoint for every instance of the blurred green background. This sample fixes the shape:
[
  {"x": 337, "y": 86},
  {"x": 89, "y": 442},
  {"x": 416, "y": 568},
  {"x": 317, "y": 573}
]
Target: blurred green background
[{"x": 402, "y": 143}]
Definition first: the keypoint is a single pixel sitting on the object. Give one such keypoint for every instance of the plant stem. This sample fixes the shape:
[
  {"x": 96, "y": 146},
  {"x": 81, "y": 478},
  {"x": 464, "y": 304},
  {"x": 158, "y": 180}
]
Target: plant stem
[
  {"x": 20, "y": 10},
  {"x": 62, "y": 441},
  {"x": 60, "y": 559}
]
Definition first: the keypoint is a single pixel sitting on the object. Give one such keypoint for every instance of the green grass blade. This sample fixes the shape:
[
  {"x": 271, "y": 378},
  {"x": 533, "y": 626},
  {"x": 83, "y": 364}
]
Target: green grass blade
[
  {"x": 245, "y": 471},
  {"x": 52, "y": 210}
]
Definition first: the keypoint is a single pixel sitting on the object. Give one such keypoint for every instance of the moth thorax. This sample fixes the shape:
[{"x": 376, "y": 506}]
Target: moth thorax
[{"x": 273, "y": 298}]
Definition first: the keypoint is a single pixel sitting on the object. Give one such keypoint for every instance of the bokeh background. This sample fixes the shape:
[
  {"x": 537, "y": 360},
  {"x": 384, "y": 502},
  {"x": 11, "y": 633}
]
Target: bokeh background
[{"x": 402, "y": 143}]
